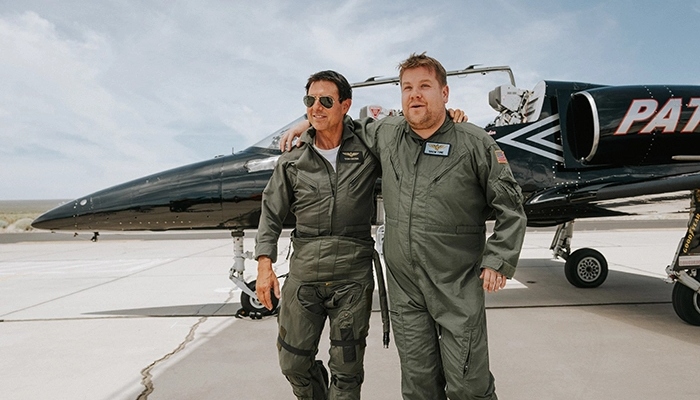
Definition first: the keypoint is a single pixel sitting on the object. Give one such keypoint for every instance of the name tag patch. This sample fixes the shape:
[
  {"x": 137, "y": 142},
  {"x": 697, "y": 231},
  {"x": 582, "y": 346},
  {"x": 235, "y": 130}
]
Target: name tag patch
[
  {"x": 351, "y": 157},
  {"x": 437, "y": 149}
]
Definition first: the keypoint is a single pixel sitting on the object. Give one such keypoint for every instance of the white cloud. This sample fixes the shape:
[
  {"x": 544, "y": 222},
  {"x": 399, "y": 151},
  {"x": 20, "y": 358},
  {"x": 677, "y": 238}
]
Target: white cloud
[
  {"x": 56, "y": 108},
  {"x": 95, "y": 93}
]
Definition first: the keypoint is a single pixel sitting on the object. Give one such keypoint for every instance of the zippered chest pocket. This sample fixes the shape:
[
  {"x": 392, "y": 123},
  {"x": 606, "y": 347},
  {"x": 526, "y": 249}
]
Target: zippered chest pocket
[
  {"x": 361, "y": 173},
  {"x": 447, "y": 168},
  {"x": 306, "y": 188}
]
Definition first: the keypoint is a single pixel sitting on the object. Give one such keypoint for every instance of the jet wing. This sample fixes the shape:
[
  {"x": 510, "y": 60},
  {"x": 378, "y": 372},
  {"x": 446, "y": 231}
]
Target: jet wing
[
  {"x": 613, "y": 187},
  {"x": 563, "y": 203}
]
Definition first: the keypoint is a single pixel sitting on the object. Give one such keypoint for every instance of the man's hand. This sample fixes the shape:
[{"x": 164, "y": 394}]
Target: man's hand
[
  {"x": 292, "y": 133},
  {"x": 266, "y": 282},
  {"x": 457, "y": 115},
  {"x": 493, "y": 280}
]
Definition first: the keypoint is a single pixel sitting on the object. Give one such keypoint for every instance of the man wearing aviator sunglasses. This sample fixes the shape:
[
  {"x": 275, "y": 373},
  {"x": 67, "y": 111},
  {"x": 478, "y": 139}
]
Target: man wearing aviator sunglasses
[
  {"x": 440, "y": 182},
  {"x": 328, "y": 183},
  {"x": 326, "y": 101}
]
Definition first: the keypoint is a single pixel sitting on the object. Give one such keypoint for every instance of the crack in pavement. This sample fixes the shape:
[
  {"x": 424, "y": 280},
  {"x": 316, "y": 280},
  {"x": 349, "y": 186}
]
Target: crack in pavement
[{"x": 147, "y": 378}]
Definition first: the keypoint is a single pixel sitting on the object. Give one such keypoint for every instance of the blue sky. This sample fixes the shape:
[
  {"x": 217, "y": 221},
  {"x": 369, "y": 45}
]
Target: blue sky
[{"x": 96, "y": 93}]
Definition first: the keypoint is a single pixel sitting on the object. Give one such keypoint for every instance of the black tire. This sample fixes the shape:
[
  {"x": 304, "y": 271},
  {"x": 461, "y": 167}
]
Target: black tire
[
  {"x": 586, "y": 268},
  {"x": 253, "y": 306},
  {"x": 686, "y": 303}
]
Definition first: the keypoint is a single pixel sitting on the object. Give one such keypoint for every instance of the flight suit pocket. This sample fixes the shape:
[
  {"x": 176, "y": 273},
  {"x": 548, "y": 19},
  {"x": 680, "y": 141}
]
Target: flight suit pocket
[
  {"x": 347, "y": 341},
  {"x": 360, "y": 176},
  {"x": 349, "y": 324},
  {"x": 309, "y": 203},
  {"x": 476, "y": 379},
  {"x": 391, "y": 186},
  {"x": 395, "y": 168},
  {"x": 305, "y": 185},
  {"x": 509, "y": 188},
  {"x": 310, "y": 300},
  {"x": 446, "y": 168},
  {"x": 466, "y": 354}
]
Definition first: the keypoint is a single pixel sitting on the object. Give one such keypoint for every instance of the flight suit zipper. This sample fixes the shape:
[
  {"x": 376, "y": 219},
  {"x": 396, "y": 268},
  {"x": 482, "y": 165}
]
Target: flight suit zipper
[
  {"x": 334, "y": 188},
  {"x": 413, "y": 197}
]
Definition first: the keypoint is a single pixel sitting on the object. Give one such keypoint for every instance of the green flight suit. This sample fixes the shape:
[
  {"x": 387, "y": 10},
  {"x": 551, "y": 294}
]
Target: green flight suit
[
  {"x": 330, "y": 272},
  {"x": 438, "y": 194}
]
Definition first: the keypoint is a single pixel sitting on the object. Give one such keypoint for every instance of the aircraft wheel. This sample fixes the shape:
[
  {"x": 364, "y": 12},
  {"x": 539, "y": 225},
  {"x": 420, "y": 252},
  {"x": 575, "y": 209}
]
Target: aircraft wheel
[
  {"x": 686, "y": 303},
  {"x": 586, "y": 268},
  {"x": 253, "y": 306}
]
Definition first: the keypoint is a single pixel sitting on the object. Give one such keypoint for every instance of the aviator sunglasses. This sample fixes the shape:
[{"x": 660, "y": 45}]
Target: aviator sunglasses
[{"x": 326, "y": 101}]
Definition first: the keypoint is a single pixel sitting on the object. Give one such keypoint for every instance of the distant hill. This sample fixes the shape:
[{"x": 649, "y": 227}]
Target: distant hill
[{"x": 17, "y": 215}]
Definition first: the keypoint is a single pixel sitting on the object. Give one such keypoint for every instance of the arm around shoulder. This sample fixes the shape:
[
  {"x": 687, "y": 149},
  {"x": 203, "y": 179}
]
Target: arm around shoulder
[
  {"x": 287, "y": 139},
  {"x": 374, "y": 133}
]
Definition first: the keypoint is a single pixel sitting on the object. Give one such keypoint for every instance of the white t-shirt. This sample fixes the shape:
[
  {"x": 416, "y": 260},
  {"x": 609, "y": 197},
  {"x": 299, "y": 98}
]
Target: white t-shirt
[{"x": 331, "y": 154}]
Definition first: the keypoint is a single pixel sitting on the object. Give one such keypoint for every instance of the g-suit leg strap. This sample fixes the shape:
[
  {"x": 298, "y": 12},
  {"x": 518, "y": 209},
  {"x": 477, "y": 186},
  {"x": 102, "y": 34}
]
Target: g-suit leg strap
[{"x": 294, "y": 350}]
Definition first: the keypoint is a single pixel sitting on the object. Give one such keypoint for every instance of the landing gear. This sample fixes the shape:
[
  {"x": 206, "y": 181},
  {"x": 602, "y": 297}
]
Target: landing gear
[
  {"x": 684, "y": 271},
  {"x": 250, "y": 305},
  {"x": 686, "y": 292},
  {"x": 686, "y": 303},
  {"x": 584, "y": 268}
]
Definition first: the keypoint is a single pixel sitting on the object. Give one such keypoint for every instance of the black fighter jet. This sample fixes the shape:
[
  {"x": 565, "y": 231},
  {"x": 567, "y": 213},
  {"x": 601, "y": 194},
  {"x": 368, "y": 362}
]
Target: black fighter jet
[{"x": 578, "y": 150}]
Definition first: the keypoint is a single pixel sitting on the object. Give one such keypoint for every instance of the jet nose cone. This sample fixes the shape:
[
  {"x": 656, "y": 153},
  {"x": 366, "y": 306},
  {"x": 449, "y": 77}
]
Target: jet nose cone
[{"x": 61, "y": 217}]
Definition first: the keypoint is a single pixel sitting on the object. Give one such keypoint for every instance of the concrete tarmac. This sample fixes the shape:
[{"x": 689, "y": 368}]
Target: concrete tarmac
[{"x": 151, "y": 316}]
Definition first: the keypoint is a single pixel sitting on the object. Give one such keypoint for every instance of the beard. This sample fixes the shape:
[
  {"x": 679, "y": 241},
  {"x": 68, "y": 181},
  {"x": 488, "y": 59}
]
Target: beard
[{"x": 425, "y": 119}]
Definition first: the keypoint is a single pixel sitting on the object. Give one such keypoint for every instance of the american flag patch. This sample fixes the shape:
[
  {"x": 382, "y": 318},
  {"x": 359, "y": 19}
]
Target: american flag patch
[{"x": 501, "y": 157}]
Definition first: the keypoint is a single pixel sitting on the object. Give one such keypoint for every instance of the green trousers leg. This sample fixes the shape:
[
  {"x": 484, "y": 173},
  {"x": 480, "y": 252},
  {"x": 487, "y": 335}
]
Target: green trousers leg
[
  {"x": 303, "y": 311},
  {"x": 436, "y": 362}
]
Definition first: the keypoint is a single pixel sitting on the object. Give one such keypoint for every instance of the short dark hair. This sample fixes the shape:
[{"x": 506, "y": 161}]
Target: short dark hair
[
  {"x": 421, "y": 60},
  {"x": 344, "y": 89}
]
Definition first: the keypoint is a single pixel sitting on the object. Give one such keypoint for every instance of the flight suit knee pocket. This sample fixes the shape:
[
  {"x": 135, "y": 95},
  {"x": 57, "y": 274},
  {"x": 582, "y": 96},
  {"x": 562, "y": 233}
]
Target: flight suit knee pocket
[
  {"x": 348, "y": 338},
  {"x": 351, "y": 324},
  {"x": 348, "y": 343}
]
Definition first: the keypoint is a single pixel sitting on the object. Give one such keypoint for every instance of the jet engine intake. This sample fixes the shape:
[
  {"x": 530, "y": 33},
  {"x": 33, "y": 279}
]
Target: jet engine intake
[{"x": 634, "y": 125}]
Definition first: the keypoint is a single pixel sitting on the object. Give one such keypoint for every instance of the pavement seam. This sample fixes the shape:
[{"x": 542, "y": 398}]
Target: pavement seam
[
  {"x": 167, "y": 261},
  {"x": 158, "y": 265}
]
